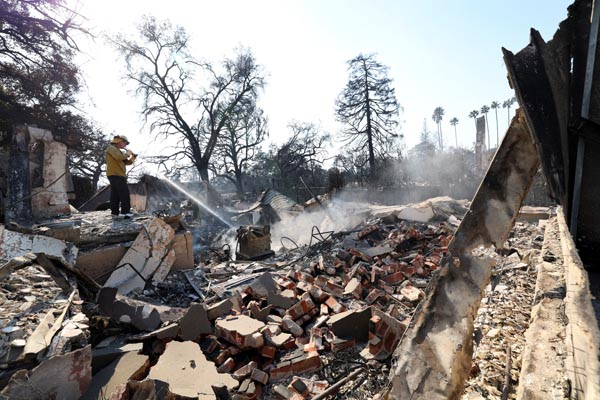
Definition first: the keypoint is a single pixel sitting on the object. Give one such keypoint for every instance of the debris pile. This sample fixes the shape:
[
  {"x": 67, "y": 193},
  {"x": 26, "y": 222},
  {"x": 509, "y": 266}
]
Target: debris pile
[
  {"x": 504, "y": 316},
  {"x": 302, "y": 323}
]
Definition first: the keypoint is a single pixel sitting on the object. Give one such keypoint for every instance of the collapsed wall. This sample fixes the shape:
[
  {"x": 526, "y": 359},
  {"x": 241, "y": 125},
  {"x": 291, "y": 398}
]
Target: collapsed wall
[{"x": 37, "y": 177}]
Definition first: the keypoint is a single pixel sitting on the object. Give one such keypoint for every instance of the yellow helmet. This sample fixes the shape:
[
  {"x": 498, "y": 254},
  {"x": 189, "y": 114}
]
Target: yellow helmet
[{"x": 119, "y": 138}]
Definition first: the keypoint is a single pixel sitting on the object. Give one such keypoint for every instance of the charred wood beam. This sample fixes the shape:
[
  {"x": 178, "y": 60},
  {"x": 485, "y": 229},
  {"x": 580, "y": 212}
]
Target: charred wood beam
[
  {"x": 434, "y": 357},
  {"x": 539, "y": 74}
]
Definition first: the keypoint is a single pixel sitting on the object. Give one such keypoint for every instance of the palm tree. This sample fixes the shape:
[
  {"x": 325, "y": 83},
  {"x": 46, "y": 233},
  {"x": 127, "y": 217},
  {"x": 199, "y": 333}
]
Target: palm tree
[
  {"x": 473, "y": 114},
  {"x": 508, "y": 104},
  {"x": 454, "y": 122},
  {"x": 484, "y": 112},
  {"x": 437, "y": 116},
  {"x": 495, "y": 105}
]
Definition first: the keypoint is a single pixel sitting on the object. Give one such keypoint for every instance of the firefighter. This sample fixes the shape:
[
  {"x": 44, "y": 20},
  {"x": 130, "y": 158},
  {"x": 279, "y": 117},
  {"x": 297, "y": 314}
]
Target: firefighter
[{"x": 116, "y": 160}]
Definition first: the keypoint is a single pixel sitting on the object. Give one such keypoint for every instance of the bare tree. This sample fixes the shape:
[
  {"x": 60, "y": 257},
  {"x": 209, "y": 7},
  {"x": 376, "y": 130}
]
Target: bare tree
[
  {"x": 38, "y": 79},
  {"x": 164, "y": 72},
  {"x": 304, "y": 148},
  {"x": 239, "y": 143},
  {"x": 368, "y": 108},
  {"x": 87, "y": 159},
  {"x": 37, "y": 33}
]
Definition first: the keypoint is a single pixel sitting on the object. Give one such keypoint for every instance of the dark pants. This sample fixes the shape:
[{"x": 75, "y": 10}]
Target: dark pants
[{"x": 119, "y": 194}]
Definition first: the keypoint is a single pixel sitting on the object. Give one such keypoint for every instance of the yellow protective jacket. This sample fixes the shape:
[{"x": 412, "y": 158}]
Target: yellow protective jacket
[{"x": 116, "y": 161}]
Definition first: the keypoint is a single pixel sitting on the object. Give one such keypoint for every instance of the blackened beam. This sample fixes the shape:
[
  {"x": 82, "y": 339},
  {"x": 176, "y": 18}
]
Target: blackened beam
[
  {"x": 434, "y": 357},
  {"x": 539, "y": 74}
]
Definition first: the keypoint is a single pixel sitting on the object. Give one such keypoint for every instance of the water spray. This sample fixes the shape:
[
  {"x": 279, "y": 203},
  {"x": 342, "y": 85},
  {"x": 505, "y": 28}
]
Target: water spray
[{"x": 197, "y": 201}]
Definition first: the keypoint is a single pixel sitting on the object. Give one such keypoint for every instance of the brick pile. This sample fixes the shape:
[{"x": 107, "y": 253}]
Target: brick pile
[{"x": 360, "y": 294}]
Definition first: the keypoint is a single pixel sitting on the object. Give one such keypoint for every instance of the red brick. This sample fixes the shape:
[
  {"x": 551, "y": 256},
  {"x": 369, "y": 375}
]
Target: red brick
[
  {"x": 375, "y": 345},
  {"x": 390, "y": 341},
  {"x": 301, "y": 308},
  {"x": 340, "y": 344},
  {"x": 254, "y": 390},
  {"x": 334, "y": 305},
  {"x": 320, "y": 281},
  {"x": 309, "y": 364},
  {"x": 227, "y": 366},
  {"x": 259, "y": 376},
  {"x": 212, "y": 346},
  {"x": 374, "y": 323},
  {"x": 240, "y": 330},
  {"x": 245, "y": 371},
  {"x": 281, "y": 371},
  {"x": 268, "y": 351},
  {"x": 408, "y": 270},
  {"x": 373, "y": 296},
  {"x": 317, "y": 293},
  {"x": 289, "y": 344},
  {"x": 334, "y": 288},
  {"x": 395, "y": 278}
]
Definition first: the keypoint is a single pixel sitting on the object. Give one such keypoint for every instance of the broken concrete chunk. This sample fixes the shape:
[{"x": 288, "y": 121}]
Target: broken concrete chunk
[
  {"x": 289, "y": 325},
  {"x": 110, "y": 350},
  {"x": 219, "y": 309},
  {"x": 38, "y": 341},
  {"x": 278, "y": 300},
  {"x": 61, "y": 377},
  {"x": 279, "y": 340},
  {"x": 195, "y": 323},
  {"x": 264, "y": 285},
  {"x": 354, "y": 288},
  {"x": 258, "y": 313},
  {"x": 245, "y": 371},
  {"x": 141, "y": 315},
  {"x": 378, "y": 250},
  {"x": 240, "y": 330},
  {"x": 99, "y": 262},
  {"x": 187, "y": 371},
  {"x": 166, "y": 332},
  {"x": 351, "y": 324},
  {"x": 129, "y": 366},
  {"x": 184, "y": 251},
  {"x": 412, "y": 293},
  {"x": 164, "y": 268},
  {"x": 296, "y": 363},
  {"x": 145, "y": 255},
  {"x": 15, "y": 244}
]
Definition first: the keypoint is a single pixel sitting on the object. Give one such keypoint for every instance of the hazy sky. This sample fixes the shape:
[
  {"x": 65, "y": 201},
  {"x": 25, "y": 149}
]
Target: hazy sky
[{"x": 440, "y": 53}]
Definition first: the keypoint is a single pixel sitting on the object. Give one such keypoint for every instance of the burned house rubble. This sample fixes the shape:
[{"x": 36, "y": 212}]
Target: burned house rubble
[
  {"x": 197, "y": 297},
  {"x": 129, "y": 310}
]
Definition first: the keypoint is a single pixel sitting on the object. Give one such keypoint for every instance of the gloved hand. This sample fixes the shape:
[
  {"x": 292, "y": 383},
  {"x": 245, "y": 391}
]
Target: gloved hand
[{"x": 130, "y": 153}]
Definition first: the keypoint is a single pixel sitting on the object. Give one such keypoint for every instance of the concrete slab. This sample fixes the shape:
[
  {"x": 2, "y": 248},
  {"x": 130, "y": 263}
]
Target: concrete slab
[
  {"x": 351, "y": 324},
  {"x": 145, "y": 254},
  {"x": 128, "y": 366},
  {"x": 195, "y": 322},
  {"x": 99, "y": 262},
  {"x": 184, "y": 251},
  {"x": 240, "y": 330},
  {"x": 15, "y": 244},
  {"x": 187, "y": 371},
  {"x": 61, "y": 377}
]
